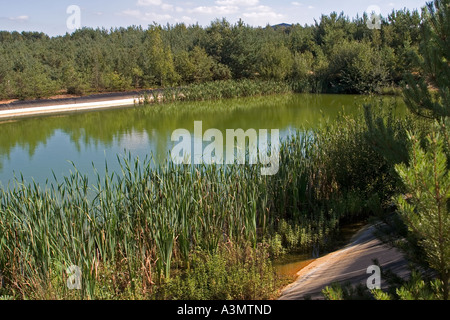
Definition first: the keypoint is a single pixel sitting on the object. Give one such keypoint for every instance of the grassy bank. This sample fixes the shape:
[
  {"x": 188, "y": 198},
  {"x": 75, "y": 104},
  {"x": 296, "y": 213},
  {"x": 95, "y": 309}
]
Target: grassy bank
[
  {"x": 216, "y": 90},
  {"x": 226, "y": 89}
]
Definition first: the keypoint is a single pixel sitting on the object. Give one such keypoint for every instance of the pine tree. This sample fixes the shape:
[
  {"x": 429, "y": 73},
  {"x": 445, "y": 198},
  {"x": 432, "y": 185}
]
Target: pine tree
[
  {"x": 427, "y": 181},
  {"x": 424, "y": 172},
  {"x": 161, "y": 64},
  {"x": 429, "y": 95}
]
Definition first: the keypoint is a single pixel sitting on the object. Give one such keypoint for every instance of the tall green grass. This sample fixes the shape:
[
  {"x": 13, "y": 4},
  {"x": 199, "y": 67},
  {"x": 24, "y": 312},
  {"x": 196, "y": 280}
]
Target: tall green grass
[
  {"x": 137, "y": 223},
  {"x": 129, "y": 232},
  {"x": 217, "y": 90}
]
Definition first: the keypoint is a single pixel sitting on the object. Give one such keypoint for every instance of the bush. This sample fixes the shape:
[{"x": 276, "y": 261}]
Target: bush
[
  {"x": 356, "y": 67},
  {"x": 275, "y": 62},
  {"x": 231, "y": 273},
  {"x": 301, "y": 73},
  {"x": 417, "y": 287},
  {"x": 117, "y": 82},
  {"x": 338, "y": 291},
  {"x": 34, "y": 83}
]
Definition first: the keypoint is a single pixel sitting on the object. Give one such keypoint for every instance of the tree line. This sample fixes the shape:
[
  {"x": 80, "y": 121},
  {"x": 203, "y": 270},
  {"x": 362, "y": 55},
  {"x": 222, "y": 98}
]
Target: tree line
[{"x": 335, "y": 54}]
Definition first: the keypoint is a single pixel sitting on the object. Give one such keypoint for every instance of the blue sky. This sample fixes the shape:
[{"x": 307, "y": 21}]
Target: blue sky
[{"x": 50, "y": 16}]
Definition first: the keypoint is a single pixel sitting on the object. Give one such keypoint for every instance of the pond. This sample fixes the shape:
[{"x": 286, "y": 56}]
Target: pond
[{"x": 38, "y": 147}]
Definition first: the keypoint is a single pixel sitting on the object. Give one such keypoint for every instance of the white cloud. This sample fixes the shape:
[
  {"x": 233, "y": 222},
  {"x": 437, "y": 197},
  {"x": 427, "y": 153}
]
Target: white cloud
[
  {"x": 167, "y": 7},
  {"x": 132, "y": 13},
  {"x": 151, "y": 16},
  {"x": 158, "y": 3},
  {"x": 262, "y": 9},
  {"x": 244, "y": 3},
  {"x": 259, "y": 15},
  {"x": 217, "y": 10},
  {"x": 149, "y": 2},
  {"x": 20, "y": 18},
  {"x": 186, "y": 20},
  {"x": 147, "y": 16},
  {"x": 262, "y": 15},
  {"x": 252, "y": 11},
  {"x": 295, "y": 3}
]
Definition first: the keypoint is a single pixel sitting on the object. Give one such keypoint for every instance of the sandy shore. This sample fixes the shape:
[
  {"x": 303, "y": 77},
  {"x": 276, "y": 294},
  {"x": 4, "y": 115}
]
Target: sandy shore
[{"x": 346, "y": 265}]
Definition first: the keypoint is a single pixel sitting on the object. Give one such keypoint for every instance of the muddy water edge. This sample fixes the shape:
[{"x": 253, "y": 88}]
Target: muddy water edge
[{"x": 288, "y": 265}]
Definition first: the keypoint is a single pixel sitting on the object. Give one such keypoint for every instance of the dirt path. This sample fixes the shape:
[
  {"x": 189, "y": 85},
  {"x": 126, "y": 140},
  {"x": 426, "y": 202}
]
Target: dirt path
[{"x": 346, "y": 265}]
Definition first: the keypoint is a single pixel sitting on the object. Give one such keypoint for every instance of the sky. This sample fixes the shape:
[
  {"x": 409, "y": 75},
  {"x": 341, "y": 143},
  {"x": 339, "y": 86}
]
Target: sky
[{"x": 53, "y": 17}]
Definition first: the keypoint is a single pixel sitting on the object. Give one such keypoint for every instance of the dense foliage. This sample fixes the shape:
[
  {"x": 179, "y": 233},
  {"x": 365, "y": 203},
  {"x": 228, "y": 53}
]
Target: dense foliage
[
  {"x": 419, "y": 225},
  {"x": 336, "y": 54},
  {"x": 190, "y": 232}
]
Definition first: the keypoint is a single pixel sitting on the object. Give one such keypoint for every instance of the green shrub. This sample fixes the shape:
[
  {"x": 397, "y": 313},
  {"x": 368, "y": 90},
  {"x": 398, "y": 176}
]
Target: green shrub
[
  {"x": 346, "y": 291},
  {"x": 356, "y": 67},
  {"x": 231, "y": 273}
]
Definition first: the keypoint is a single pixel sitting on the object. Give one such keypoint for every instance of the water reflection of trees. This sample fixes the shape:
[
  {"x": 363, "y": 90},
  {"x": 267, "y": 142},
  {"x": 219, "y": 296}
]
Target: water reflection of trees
[{"x": 106, "y": 128}]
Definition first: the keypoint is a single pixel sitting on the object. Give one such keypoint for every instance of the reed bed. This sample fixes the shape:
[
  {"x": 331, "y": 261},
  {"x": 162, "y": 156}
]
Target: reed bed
[
  {"x": 217, "y": 90},
  {"x": 129, "y": 232},
  {"x": 135, "y": 223}
]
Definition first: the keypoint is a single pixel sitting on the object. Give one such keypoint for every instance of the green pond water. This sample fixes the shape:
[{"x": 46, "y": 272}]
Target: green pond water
[{"x": 38, "y": 147}]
